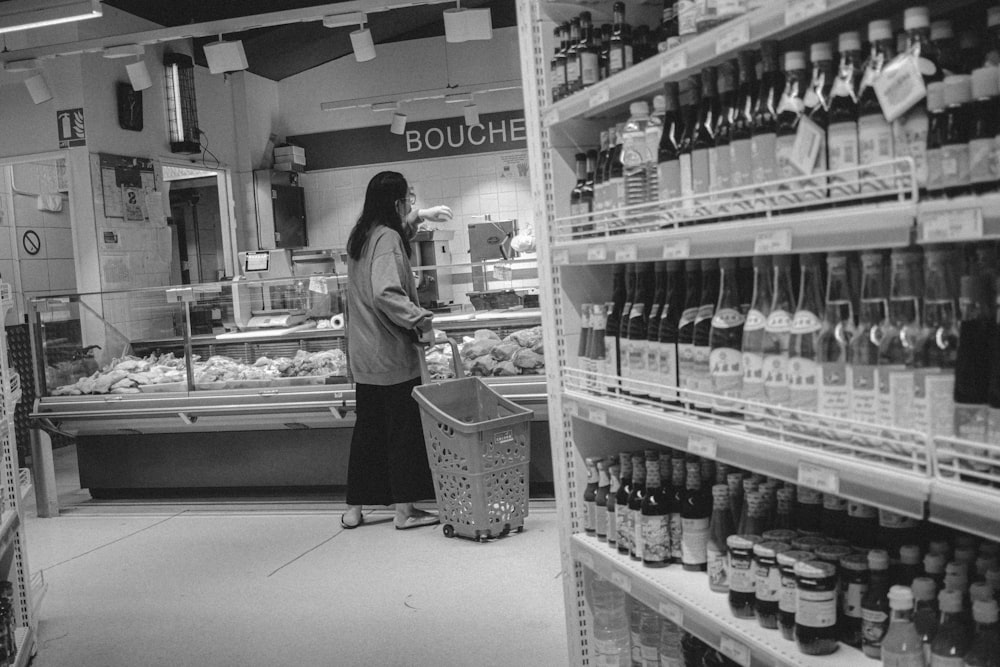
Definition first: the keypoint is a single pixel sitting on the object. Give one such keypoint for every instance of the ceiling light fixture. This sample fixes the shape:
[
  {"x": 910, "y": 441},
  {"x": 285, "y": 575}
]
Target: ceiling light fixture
[
  {"x": 18, "y": 15},
  {"x": 471, "y": 113},
  {"x": 26, "y": 65},
  {"x": 123, "y": 51},
  {"x": 138, "y": 75},
  {"x": 398, "y": 125},
  {"x": 224, "y": 57},
  {"x": 385, "y": 106},
  {"x": 464, "y": 25},
  {"x": 456, "y": 98},
  {"x": 361, "y": 39},
  {"x": 38, "y": 88}
]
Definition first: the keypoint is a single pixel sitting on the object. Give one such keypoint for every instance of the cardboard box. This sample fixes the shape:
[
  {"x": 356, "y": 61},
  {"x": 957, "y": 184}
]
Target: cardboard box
[
  {"x": 288, "y": 152},
  {"x": 288, "y": 165}
]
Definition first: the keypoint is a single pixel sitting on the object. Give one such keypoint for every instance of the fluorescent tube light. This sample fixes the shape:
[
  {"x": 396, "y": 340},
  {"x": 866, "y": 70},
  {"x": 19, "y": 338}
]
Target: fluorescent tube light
[{"x": 27, "y": 14}]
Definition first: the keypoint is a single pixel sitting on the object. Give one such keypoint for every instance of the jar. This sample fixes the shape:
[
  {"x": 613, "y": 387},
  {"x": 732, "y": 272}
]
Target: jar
[
  {"x": 786, "y": 603},
  {"x": 779, "y": 535},
  {"x": 742, "y": 586},
  {"x": 808, "y": 543},
  {"x": 767, "y": 582},
  {"x": 816, "y": 607},
  {"x": 853, "y": 584},
  {"x": 831, "y": 553}
]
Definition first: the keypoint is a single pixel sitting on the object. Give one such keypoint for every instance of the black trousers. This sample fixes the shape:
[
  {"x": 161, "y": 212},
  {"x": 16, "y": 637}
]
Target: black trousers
[{"x": 388, "y": 461}]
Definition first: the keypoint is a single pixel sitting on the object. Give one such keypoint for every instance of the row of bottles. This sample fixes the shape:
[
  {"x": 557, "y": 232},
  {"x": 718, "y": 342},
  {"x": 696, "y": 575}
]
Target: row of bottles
[
  {"x": 764, "y": 116},
  {"x": 908, "y": 339},
  {"x": 8, "y": 623},
  {"x": 816, "y": 567}
]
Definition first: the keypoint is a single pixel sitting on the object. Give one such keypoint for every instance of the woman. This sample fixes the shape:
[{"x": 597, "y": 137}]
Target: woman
[{"x": 388, "y": 463}]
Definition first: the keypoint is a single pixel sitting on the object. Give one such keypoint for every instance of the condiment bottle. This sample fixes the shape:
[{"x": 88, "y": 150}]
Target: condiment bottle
[
  {"x": 695, "y": 516},
  {"x": 651, "y": 349},
  {"x": 910, "y": 129},
  {"x": 721, "y": 527},
  {"x": 777, "y": 331},
  {"x": 583, "y": 346},
  {"x": 601, "y": 500},
  {"x": 595, "y": 351},
  {"x": 573, "y": 82},
  {"x": 951, "y": 641},
  {"x": 654, "y": 513},
  {"x": 833, "y": 518},
  {"x": 816, "y": 607},
  {"x": 875, "y": 604},
  {"x": 620, "y": 54},
  {"x": 742, "y": 581},
  {"x": 817, "y": 110},
  {"x": 955, "y": 162},
  {"x": 925, "y": 612},
  {"x": 740, "y": 155},
  {"x": 834, "y": 343},
  {"x": 791, "y": 108},
  {"x": 842, "y": 134},
  {"x": 808, "y": 510},
  {"x": 862, "y": 524},
  {"x": 866, "y": 343},
  {"x": 589, "y": 494},
  {"x": 753, "y": 339},
  {"x": 702, "y": 177},
  {"x": 767, "y": 580},
  {"x": 677, "y": 490},
  {"x": 935, "y": 137},
  {"x": 875, "y": 140},
  {"x": 614, "y": 472},
  {"x": 668, "y": 168},
  {"x": 901, "y": 646},
  {"x": 985, "y": 648},
  {"x": 910, "y": 564},
  {"x": 624, "y": 529},
  {"x": 787, "y": 599},
  {"x": 710, "y": 277},
  {"x": 853, "y": 586},
  {"x": 803, "y": 343},
  {"x": 765, "y": 121},
  {"x": 613, "y": 323},
  {"x": 719, "y": 156},
  {"x": 983, "y": 155},
  {"x": 725, "y": 357}
]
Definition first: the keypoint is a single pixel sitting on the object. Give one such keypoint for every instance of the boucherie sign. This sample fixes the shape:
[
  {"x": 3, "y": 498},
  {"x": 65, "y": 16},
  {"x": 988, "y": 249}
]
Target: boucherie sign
[{"x": 423, "y": 139}]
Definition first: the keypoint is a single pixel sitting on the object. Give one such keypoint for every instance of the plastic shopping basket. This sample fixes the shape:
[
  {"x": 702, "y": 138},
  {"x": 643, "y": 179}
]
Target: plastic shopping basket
[{"x": 479, "y": 449}]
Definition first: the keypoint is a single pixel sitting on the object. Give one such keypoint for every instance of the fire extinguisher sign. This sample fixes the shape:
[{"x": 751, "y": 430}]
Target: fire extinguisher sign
[{"x": 71, "y": 129}]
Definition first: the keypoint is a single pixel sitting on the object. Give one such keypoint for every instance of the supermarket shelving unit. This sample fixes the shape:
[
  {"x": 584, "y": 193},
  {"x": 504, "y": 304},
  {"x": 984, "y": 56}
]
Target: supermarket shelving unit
[
  {"x": 16, "y": 485},
  {"x": 916, "y": 473}
]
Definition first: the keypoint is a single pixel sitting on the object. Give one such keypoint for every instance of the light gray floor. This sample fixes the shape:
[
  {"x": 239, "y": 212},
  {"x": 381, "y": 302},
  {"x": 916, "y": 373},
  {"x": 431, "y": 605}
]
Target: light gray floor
[{"x": 279, "y": 582}]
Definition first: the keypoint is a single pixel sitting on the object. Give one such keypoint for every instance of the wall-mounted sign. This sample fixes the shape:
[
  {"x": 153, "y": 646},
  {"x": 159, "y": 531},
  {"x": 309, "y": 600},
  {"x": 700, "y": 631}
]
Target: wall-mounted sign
[
  {"x": 31, "y": 243},
  {"x": 444, "y": 137},
  {"x": 71, "y": 129}
]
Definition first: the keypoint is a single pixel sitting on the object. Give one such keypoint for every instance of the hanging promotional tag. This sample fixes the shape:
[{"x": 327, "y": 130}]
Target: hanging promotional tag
[
  {"x": 808, "y": 141},
  {"x": 900, "y": 86}
]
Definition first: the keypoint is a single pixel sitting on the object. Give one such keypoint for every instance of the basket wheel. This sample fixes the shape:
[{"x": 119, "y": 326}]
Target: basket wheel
[
  {"x": 506, "y": 530},
  {"x": 520, "y": 529},
  {"x": 448, "y": 530}
]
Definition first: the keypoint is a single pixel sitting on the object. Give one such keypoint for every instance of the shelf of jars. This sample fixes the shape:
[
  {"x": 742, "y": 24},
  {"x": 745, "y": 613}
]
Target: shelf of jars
[
  {"x": 685, "y": 599},
  {"x": 772, "y": 20},
  {"x": 844, "y": 209},
  {"x": 836, "y": 456}
]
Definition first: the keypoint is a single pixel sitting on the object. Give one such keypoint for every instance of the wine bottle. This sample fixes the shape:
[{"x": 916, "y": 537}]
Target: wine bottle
[
  {"x": 702, "y": 330},
  {"x": 721, "y": 526},
  {"x": 666, "y": 363},
  {"x": 678, "y": 478},
  {"x": 573, "y": 57},
  {"x": 753, "y": 340},
  {"x": 838, "y": 330},
  {"x": 638, "y": 323},
  {"x": 651, "y": 363},
  {"x": 842, "y": 135},
  {"x": 635, "y": 497},
  {"x": 601, "y": 500},
  {"x": 685, "y": 328},
  {"x": 740, "y": 153},
  {"x": 765, "y": 123},
  {"x": 817, "y": 111},
  {"x": 703, "y": 180},
  {"x": 595, "y": 350},
  {"x": 589, "y": 493},
  {"x": 875, "y": 605},
  {"x": 910, "y": 129},
  {"x": 777, "y": 332},
  {"x": 614, "y": 472},
  {"x": 725, "y": 338},
  {"x": 803, "y": 344},
  {"x": 668, "y": 167},
  {"x": 655, "y": 518},
  {"x": 695, "y": 516},
  {"x": 689, "y": 100},
  {"x": 624, "y": 540},
  {"x": 719, "y": 156}
]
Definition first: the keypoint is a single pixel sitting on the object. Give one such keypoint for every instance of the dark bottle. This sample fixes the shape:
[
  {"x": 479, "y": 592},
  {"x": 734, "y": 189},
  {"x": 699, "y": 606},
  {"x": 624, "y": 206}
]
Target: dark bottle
[
  {"x": 934, "y": 379},
  {"x": 808, "y": 510},
  {"x": 752, "y": 345},
  {"x": 622, "y": 524},
  {"x": 862, "y": 524},
  {"x": 654, "y": 512},
  {"x": 599, "y": 169},
  {"x": 735, "y": 482},
  {"x": 587, "y": 191},
  {"x": 573, "y": 81},
  {"x": 925, "y": 612},
  {"x": 804, "y": 341},
  {"x": 970, "y": 51},
  {"x": 704, "y": 135},
  {"x": 784, "y": 516},
  {"x": 835, "y": 341},
  {"x": 668, "y": 25},
  {"x": 589, "y": 52},
  {"x": 934, "y": 564},
  {"x": 666, "y": 362},
  {"x": 742, "y": 579},
  {"x": 777, "y": 332},
  {"x": 635, "y": 497},
  {"x": 957, "y": 126},
  {"x": 668, "y": 167},
  {"x": 993, "y": 415},
  {"x": 945, "y": 46},
  {"x": 789, "y": 593},
  {"x": 723, "y": 130},
  {"x": 894, "y": 531},
  {"x": 816, "y": 607},
  {"x": 910, "y": 130},
  {"x": 910, "y": 565},
  {"x": 853, "y": 585},
  {"x": 720, "y": 527},
  {"x": 690, "y": 93},
  {"x": 985, "y": 126},
  {"x": 614, "y": 472},
  {"x": 613, "y": 324},
  {"x": 904, "y": 335},
  {"x": 595, "y": 352},
  {"x": 765, "y": 121},
  {"x": 817, "y": 110},
  {"x": 583, "y": 347},
  {"x": 951, "y": 641},
  {"x": 842, "y": 132},
  {"x": 601, "y": 500},
  {"x": 744, "y": 282},
  {"x": 791, "y": 108},
  {"x": 615, "y": 179},
  {"x": 755, "y": 503},
  {"x": 833, "y": 517},
  {"x": 620, "y": 54},
  {"x": 604, "y": 56},
  {"x": 975, "y": 335},
  {"x": 935, "y": 137},
  {"x": 875, "y": 140},
  {"x": 638, "y": 323},
  {"x": 695, "y": 516},
  {"x": 768, "y": 582},
  {"x": 749, "y": 488},
  {"x": 726, "y": 336},
  {"x": 589, "y": 494},
  {"x": 557, "y": 66},
  {"x": 640, "y": 44},
  {"x": 678, "y": 479},
  {"x": 651, "y": 365},
  {"x": 985, "y": 648},
  {"x": 865, "y": 345},
  {"x": 577, "y": 205},
  {"x": 624, "y": 342},
  {"x": 685, "y": 327},
  {"x": 740, "y": 148},
  {"x": 875, "y": 604},
  {"x": 702, "y": 330}
]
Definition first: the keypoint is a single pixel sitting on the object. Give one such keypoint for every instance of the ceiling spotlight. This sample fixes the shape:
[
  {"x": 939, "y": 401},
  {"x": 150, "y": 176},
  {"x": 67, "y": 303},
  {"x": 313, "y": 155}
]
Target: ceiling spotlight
[
  {"x": 38, "y": 88},
  {"x": 138, "y": 75},
  {"x": 398, "y": 123},
  {"x": 471, "y": 112},
  {"x": 225, "y": 57},
  {"x": 464, "y": 25},
  {"x": 361, "y": 42}
]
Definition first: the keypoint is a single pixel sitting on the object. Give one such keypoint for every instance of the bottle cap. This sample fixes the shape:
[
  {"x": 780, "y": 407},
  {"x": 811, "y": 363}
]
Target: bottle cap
[
  {"x": 720, "y": 493},
  {"x": 950, "y": 601},
  {"x": 909, "y": 554},
  {"x": 750, "y": 485},
  {"x": 956, "y": 568},
  {"x": 935, "y": 95},
  {"x": 792, "y": 556},
  {"x": 939, "y": 547},
  {"x": 855, "y": 562},
  {"x": 878, "y": 559},
  {"x": 639, "y": 108},
  {"x": 956, "y": 582},
  {"x": 980, "y": 592},
  {"x": 993, "y": 16},
  {"x": 794, "y": 60},
  {"x": 985, "y": 83},
  {"x": 744, "y": 542},
  {"x": 832, "y": 553},
  {"x": 849, "y": 41},
  {"x": 900, "y": 597},
  {"x": 879, "y": 30},
  {"x": 957, "y": 89},
  {"x": 770, "y": 549},
  {"x": 923, "y": 588},
  {"x": 809, "y": 544},
  {"x": 820, "y": 51},
  {"x": 934, "y": 563},
  {"x": 916, "y": 18},
  {"x": 941, "y": 30},
  {"x": 815, "y": 569},
  {"x": 660, "y": 103},
  {"x": 966, "y": 554},
  {"x": 984, "y": 612}
]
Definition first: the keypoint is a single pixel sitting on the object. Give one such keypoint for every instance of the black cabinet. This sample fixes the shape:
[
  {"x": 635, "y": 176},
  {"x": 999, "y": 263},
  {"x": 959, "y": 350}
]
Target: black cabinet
[{"x": 281, "y": 209}]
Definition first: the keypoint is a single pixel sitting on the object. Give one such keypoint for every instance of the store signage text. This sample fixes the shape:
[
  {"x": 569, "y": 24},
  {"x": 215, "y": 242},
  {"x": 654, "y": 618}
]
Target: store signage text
[{"x": 455, "y": 135}]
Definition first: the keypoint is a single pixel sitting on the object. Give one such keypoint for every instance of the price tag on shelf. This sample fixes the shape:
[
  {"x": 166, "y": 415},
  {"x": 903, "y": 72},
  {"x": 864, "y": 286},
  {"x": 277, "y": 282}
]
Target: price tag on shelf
[
  {"x": 600, "y": 96},
  {"x": 560, "y": 257},
  {"x": 702, "y": 445},
  {"x": 621, "y": 580},
  {"x": 797, "y": 11},
  {"x": 679, "y": 249},
  {"x": 732, "y": 38},
  {"x": 599, "y": 416},
  {"x": 955, "y": 225},
  {"x": 735, "y": 650},
  {"x": 586, "y": 559},
  {"x": 597, "y": 253},
  {"x": 673, "y": 64},
  {"x": 773, "y": 243},
  {"x": 673, "y": 613},
  {"x": 817, "y": 477},
  {"x": 551, "y": 117},
  {"x": 626, "y": 253}
]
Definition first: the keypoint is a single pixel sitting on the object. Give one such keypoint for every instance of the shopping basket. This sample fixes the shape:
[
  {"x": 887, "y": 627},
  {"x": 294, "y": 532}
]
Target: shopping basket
[{"x": 479, "y": 449}]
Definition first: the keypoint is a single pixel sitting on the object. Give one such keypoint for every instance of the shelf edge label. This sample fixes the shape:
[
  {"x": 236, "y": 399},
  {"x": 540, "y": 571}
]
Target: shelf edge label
[
  {"x": 773, "y": 242},
  {"x": 702, "y": 445},
  {"x": 679, "y": 249},
  {"x": 597, "y": 253},
  {"x": 626, "y": 253},
  {"x": 954, "y": 225},
  {"x": 817, "y": 477},
  {"x": 735, "y": 650},
  {"x": 674, "y": 64},
  {"x": 600, "y": 96},
  {"x": 673, "y": 613},
  {"x": 797, "y": 11},
  {"x": 732, "y": 38},
  {"x": 621, "y": 580}
]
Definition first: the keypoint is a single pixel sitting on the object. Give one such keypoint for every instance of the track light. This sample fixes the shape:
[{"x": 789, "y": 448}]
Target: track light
[
  {"x": 464, "y": 25},
  {"x": 26, "y": 65},
  {"x": 225, "y": 57},
  {"x": 138, "y": 75},
  {"x": 471, "y": 112},
  {"x": 385, "y": 106},
  {"x": 361, "y": 42},
  {"x": 38, "y": 88},
  {"x": 398, "y": 123}
]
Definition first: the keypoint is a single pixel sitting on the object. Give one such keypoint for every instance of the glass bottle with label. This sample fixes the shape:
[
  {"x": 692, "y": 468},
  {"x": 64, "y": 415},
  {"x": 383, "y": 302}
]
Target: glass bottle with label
[
  {"x": 935, "y": 137},
  {"x": 925, "y": 612},
  {"x": 654, "y": 513},
  {"x": 875, "y": 140},
  {"x": 624, "y": 527},
  {"x": 589, "y": 52},
  {"x": 599, "y": 171},
  {"x": 951, "y": 641},
  {"x": 613, "y": 323},
  {"x": 615, "y": 181},
  {"x": 910, "y": 130},
  {"x": 654, "y": 133},
  {"x": 975, "y": 335},
  {"x": 695, "y": 516},
  {"x": 721, "y": 526},
  {"x": 652, "y": 350},
  {"x": 835, "y": 342},
  {"x": 740, "y": 155},
  {"x": 668, "y": 25},
  {"x": 678, "y": 489},
  {"x": 703, "y": 329},
  {"x": 945, "y": 45},
  {"x": 575, "y": 196},
  {"x": 816, "y": 607},
  {"x": 765, "y": 122},
  {"x": 842, "y": 132},
  {"x": 817, "y": 110},
  {"x": 637, "y": 325},
  {"x": 667, "y": 361},
  {"x": 624, "y": 343},
  {"x": 595, "y": 350},
  {"x": 933, "y": 408},
  {"x": 803, "y": 343},
  {"x": 749, "y": 490},
  {"x": 742, "y": 579},
  {"x": 582, "y": 360},
  {"x": 853, "y": 585},
  {"x": 725, "y": 338},
  {"x": 614, "y": 473},
  {"x": 589, "y": 493},
  {"x": 901, "y": 646},
  {"x": 791, "y": 108},
  {"x": 993, "y": 415},
  {"x": 635, "y": 496},
  {"x": 752, "y": 346},
  {"x": 957, "y": 124},
  {"x": 573, "y": 57},
  {"x": 601, "y": 500},
  {"x": 985, "y": 648},
  {"x": 867, "y": 341},
  {"x": 587, "y": 191},
  {"x": 685, "y": 328},
  {"x": 983, "y": 151},
  {"x": 777, "y": 332},
  {"x": 620, "y": 55},
  {"x": 668, "y": 168},
  {"x": 636, "y": 159},
  {"x": 902, "y": 340},
  {"x": 604, "y": 55},
  {"x": 557, "y": 66},
  {"x": 719, "y": 156},
  {"x": 690, "y": 93},
  {"x": 704, "y": 136},
  {"x": 875, "y": 604}
]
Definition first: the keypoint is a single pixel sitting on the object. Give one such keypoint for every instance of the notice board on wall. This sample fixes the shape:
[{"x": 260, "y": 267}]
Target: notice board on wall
[{"x": 126, "y": 183}]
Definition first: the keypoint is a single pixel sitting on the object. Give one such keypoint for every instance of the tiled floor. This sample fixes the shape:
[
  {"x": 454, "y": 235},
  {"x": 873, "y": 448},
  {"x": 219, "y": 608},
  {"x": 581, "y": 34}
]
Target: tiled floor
[{"x": 248, "y": 582}]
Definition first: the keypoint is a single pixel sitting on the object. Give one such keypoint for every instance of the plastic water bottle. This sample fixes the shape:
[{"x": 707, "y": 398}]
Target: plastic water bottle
[
  {"x": 649, "y": 637},
  {"x": 671, "y": 651},
  {"x": 636, "y": 158},
  {"x": 611, "y": 624}
]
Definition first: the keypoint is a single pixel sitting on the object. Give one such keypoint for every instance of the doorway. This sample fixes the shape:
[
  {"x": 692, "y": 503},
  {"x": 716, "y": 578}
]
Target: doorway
[{"x": 201, "y": 224}]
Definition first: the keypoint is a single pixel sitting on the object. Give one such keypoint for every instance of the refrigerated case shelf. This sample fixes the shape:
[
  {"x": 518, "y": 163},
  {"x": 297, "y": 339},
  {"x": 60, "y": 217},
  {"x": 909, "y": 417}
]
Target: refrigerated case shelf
[
  {"x": 24, "y": 638},
  {"x": 685, "y": 598}
]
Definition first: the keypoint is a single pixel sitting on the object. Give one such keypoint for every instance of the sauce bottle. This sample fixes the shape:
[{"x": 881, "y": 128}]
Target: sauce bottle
[
  {"x": 611, "y": 331},
  {"x": 668, "y": 168},
  {"x": 589, "y": 492},
  {"x": 615, "y": 180},
  {"x": 702, "y": 331},
  {"x": 638, "y": 323},
  {"x": 689, "y": 98},
  {"x": 595, "y": 350},
  {"x": 721, "y": 527},
  {"x": 957, "y": 124},
  {"x": 842, "y": 133},
  {"x": 725, "y": 356},
  {"x": 752, "y": 346},
  {"x": 868, "y": 339},
  {"x": 702, "y": 177},
  {"x": 614, "y": 472},
  {"x": 975, "y": 334},
  {"x": 719, "y": 155},
  {"x": 901, "y": 646},
  {"x": 623, "y": 337},
  {"x": 620, "y": 53},
  {"x": 651, "y": 349},
  {"x": 875, "y": 605},
  {"x": 803, "y": 343},
  {"x": 589, "y": 52},
  {"x": 635, "y": 496},
  {"x": 910, "y": 130},
  {"x": 557, "y": 66},
  {"x": 666, "y": 362},
  {"x": 573, "y": 81},
  {"x": 817, "y": 110},
  {"x": 765, "y": 123},
  {"x": 875, "y": 138},
  {"x": 583, "y": 346},
  {"x": 935, "y": 137},
  {"x": 934, "y": 383},
  {"x": 925, "y": 612},
  {"x": 678, "y": 479},
  {"x": 951, "y": 641},
  {"x": 985, "y": 648},
  {"x": 836, "y": 334},
  {"x": 777, "y": 332},
  {"x": 791, "y": 108},
  {"x": 624, "y": 537},
  {"x": 601, "y": 500},
  {"x": 740, "y": 154},
  {"x": 983, "y": 155}
]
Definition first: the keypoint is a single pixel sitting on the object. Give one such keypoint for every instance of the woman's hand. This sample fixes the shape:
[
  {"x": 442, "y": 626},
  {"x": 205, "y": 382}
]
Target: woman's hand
[{"x": 435, "y": 214}]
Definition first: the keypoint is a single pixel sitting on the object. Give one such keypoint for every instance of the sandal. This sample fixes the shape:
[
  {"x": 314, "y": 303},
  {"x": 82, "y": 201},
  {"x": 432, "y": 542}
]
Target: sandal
[
  {"x": 416, "y": 521},
  {"x": 351, "y": 526}
]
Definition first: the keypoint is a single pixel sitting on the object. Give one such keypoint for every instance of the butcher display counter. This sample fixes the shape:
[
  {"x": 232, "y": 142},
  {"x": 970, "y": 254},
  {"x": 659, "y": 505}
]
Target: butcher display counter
[{"x": 241, "y": 384}]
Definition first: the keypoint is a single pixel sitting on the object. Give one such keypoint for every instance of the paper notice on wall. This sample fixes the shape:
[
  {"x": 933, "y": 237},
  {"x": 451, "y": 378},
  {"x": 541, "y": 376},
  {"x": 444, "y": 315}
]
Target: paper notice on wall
[
  {"x": 110, "y": 239},
  {"x": 115, "y": 271},
  {"x": 154, "y": 209},
  {"x": 513, "y": 164},
  {"x": 133, "y": 203}
]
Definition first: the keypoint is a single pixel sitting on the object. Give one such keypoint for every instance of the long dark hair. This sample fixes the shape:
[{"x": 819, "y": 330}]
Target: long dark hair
[{"x": 384, "y": 190}]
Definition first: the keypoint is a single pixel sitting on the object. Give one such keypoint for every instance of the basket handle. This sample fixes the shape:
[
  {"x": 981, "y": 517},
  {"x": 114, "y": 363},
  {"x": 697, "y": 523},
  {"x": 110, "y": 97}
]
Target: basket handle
[{"x": 456, "y": 357}]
